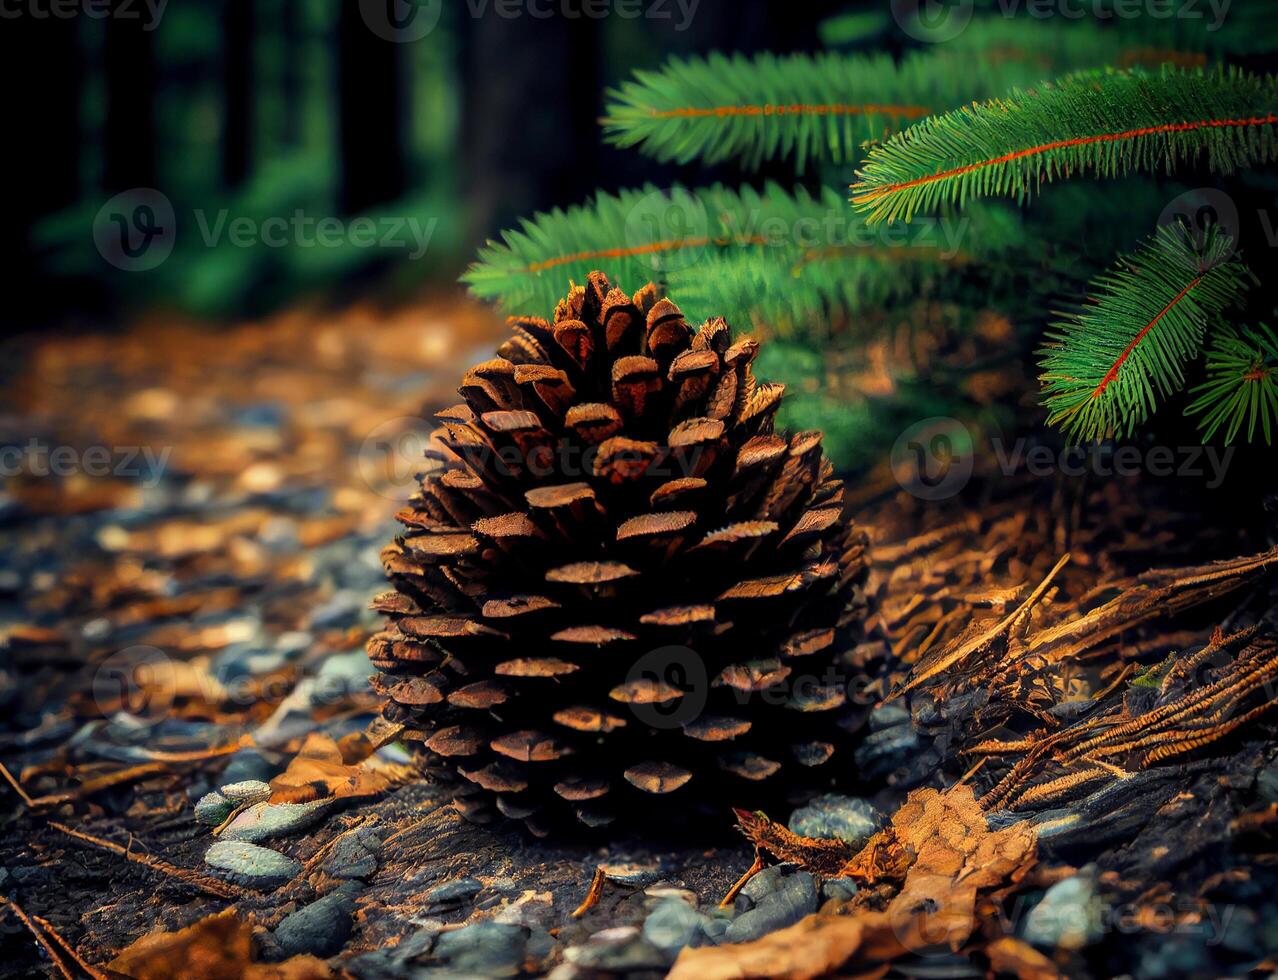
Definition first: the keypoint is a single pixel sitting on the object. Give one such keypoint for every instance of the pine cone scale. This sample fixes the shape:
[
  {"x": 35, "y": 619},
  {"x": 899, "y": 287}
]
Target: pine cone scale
[{"x": 605, "y": 588}]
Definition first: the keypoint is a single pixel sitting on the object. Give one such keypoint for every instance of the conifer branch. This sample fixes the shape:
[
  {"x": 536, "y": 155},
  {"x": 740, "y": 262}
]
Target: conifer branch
[
  {"x": 824, "y": 107},
  {"x": 1241, "y": 385},
  {"x": 1106, "y": 123},
  {"x": 789, "y": 260},
  {"x": 1107, "y": 365}
]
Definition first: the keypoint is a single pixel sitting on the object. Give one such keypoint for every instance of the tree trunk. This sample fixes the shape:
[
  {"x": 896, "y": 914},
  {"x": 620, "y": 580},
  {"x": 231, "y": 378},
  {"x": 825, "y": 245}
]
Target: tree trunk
[
  {"x": 370, "y": 115},
  {"x": 532, "y": 99},
  {"x": 129, "y": 134},
  {"x": 237, "y": 81},
  {"x": 40, "y": 72}
]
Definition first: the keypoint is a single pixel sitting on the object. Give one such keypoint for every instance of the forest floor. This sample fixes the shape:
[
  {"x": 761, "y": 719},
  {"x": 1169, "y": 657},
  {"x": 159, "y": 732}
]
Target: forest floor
[{"x": 1072, "y": 702}]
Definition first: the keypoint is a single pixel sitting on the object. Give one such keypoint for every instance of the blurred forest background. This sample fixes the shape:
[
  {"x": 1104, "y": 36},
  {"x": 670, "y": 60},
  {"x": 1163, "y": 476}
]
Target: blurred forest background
[{"x": 261, "y": 108}]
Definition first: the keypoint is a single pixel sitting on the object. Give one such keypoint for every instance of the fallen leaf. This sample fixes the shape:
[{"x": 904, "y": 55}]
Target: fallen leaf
[
  {"x": 938, "y": 849},
  {"x": 1018, "y": 958},
  {"x": 324, "y": 769},
  {"x": 218, "y": 947},
  {"x": 813, "y": 947}
]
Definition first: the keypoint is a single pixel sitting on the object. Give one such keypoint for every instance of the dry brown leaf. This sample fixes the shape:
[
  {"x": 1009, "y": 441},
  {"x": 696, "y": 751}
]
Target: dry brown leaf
[
  {"x": 324, "y": 769},
  {"x": 813, "y": 947},
  {"x": 938, "y": 847},
  {"x": 1015, "y": 957},
  {"x": 218, "y": 947}
]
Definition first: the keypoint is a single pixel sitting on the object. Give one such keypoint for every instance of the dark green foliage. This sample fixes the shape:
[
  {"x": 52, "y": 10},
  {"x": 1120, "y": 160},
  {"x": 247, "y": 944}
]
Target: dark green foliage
[
  {"x": 1103, "y": 123},
  {"x": 1241, "y": 385},
  {"x": 789, "y": 261},
  {"x": 824, "y": 107},
  {"x": 1108, "y": 365}
]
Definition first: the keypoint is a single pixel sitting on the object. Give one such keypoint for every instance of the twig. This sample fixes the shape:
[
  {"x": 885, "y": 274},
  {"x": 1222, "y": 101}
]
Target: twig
[
  {"x": 592, "y": 895},
  {"x": 99, "y": 783},
  {"x": 16, "y": 785},
  {"x": 204, "y": 883},
  {"x": 52, "y": 933},
  {"x": 39, "y": 937},
  {"x": 751, "y": 871}
]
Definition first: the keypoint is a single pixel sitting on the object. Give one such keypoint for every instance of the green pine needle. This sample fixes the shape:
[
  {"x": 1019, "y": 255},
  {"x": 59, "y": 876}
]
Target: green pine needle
[
  {"x": 824, "y": 107},
  {"x": 1108, "y": 123},
  {"x": 791, "y": 261},
  {"x": 1108, "y": 365},
  {"x": 1241, "y": 385}
]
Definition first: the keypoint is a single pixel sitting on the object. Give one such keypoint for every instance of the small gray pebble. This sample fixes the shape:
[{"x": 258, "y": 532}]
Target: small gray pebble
[
  {"x": 252, "y": 866},
  {"x": 485, "y": 949},
  {"x": 671, "y": 926},
  {"x": 1267, "y": 783},
  {"x": 837, "y": 817},
  {"x": 888, "y": 716},
  {"x": 213, "y": 808},
  {"x": 248, "y": 791},
  {"x": 620, "y": 949},
  {"x": 763, "y": 884},
  {"x": 838, "y": 889},
  {"x": 1068, "y": 915},
  {"x": 320, "y": 928},
  {"x": 262, "y": 821},
  {"x": 453, "y": 892},
  {"x": 784, "y": 906}
]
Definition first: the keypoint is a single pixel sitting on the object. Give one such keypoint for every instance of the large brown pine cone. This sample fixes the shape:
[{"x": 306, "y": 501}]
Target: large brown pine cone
[{"x": 618, "y": 586}]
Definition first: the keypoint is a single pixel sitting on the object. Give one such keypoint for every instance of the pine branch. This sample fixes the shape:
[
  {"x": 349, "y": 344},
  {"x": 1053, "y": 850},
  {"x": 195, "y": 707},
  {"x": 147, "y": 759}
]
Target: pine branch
[
  {"x": 785, "y": 259},
  {"x": 824, "y": 107},
  {"x": 1241, "y": 385},
  {"x": 1107, "y": 123},
  {"x": 1107, "y": 365}
]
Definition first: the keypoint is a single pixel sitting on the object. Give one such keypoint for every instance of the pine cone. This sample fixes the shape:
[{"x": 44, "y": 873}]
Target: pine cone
[{"x": 616, "y": 575}]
